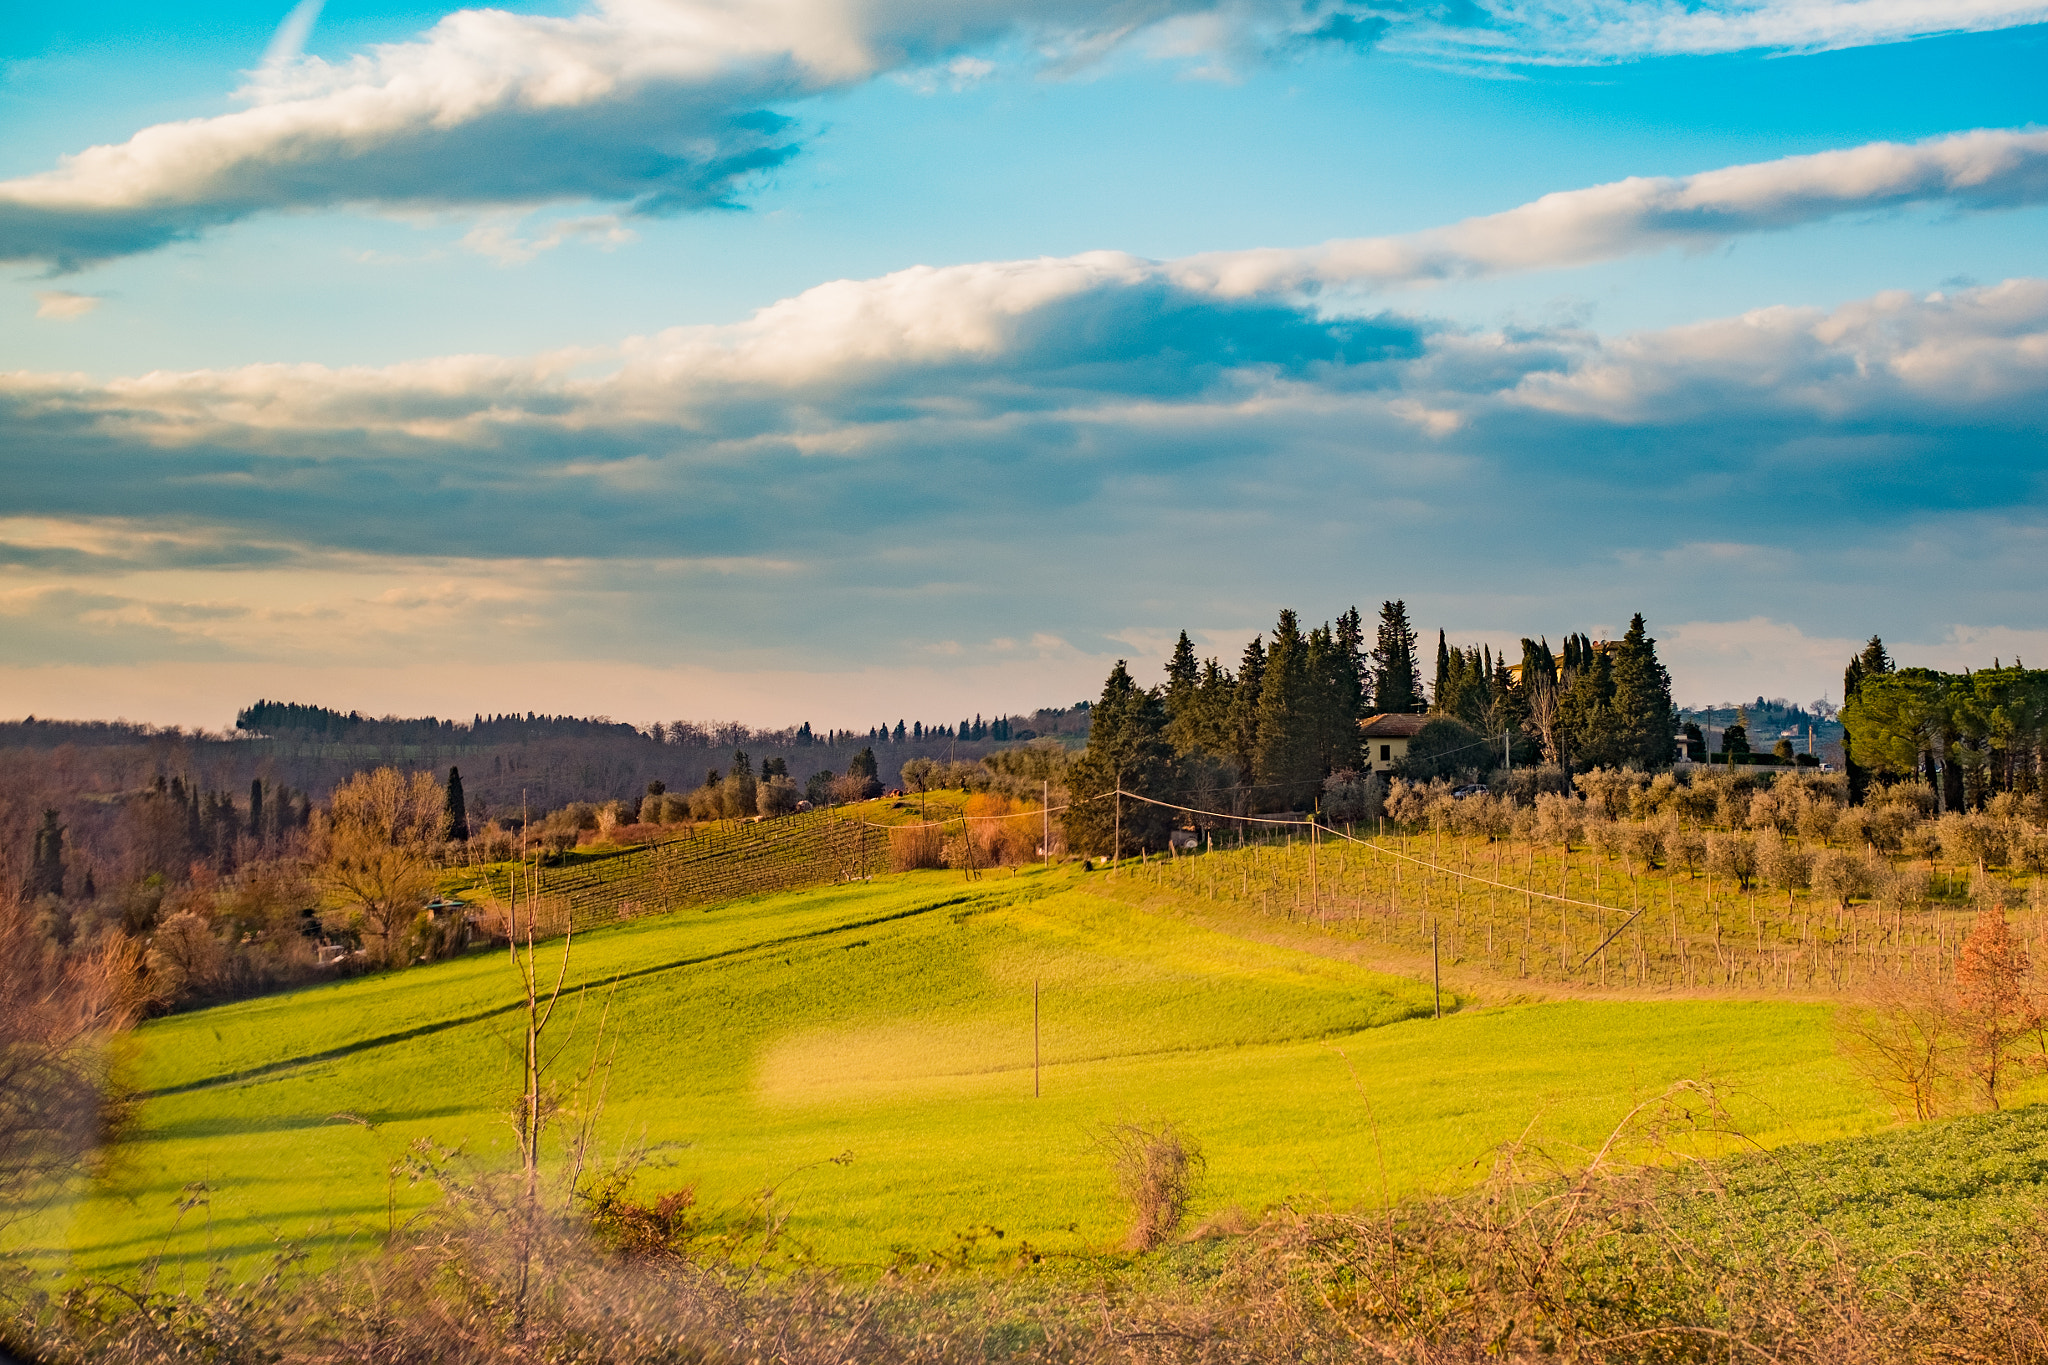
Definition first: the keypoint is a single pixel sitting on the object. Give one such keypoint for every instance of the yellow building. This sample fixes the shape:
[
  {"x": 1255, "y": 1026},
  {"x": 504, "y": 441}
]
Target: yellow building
[{"x": 1386, "y": 738}]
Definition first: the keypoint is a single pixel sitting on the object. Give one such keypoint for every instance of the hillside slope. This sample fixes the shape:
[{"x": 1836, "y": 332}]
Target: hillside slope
[{"x": 893, "y": 1022}]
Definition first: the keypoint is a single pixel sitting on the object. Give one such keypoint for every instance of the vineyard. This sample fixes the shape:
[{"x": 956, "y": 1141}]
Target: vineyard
[
  {"x": 1617, "y": 910},
  {"x": 709, "y": 864}
]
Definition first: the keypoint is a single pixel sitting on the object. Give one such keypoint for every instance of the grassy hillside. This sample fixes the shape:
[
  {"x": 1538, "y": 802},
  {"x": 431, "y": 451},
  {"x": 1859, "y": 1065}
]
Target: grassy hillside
[{"x": 893, "y": 1021}]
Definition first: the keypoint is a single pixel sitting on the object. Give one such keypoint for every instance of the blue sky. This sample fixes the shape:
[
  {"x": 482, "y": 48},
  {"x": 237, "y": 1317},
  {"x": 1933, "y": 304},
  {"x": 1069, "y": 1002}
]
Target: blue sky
[{"x": 803, "y": 360}]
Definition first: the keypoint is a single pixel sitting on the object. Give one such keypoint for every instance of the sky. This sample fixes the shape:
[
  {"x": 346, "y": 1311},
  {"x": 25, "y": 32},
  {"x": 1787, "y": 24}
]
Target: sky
[{"x": 792, "y": 360}]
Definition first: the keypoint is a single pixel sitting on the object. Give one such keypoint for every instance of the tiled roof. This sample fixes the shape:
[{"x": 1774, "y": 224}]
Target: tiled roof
[{"x": 1392, "y": 725}]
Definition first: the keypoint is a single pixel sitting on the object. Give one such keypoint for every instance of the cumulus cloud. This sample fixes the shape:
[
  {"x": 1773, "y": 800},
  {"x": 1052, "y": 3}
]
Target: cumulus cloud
[
  {"x": 63, "y": 306},
  {"x": 669, "y": 106},
  {"x": 662, "y": 106}
]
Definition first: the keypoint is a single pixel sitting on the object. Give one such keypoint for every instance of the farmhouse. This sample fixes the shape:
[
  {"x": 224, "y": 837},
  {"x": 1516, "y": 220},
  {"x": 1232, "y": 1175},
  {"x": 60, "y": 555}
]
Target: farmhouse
[{"x": 1386, "y": 738}]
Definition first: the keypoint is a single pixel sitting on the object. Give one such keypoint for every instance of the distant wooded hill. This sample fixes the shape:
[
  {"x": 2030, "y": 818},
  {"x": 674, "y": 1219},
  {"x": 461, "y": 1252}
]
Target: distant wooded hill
[{"x": 507, "y": 760}]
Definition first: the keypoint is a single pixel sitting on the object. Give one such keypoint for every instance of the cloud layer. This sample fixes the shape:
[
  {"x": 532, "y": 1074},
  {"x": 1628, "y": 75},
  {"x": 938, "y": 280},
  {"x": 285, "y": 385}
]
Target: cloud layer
[{"x": 670, "y": 106}]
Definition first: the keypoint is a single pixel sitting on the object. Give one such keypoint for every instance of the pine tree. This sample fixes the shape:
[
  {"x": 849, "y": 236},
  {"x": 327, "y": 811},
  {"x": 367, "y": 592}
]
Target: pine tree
[
  {"x": 455, "y": 816},
  {"x": 1127, "y": 748},
  {"x": 1284, "y": 757},
  {"x": 1395, "y": 685}
]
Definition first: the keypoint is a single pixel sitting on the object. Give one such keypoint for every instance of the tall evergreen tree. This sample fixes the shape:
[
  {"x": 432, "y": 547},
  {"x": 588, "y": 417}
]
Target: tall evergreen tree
[
  {"x": 1213, "y": 698},
  {"x": 257, "y": 828},
  {"x": 1585, "y": 721},
  {"x": 1285, "y": 758},
  {"x": 1395, "y": 684},
  {"x": 1127, "y": 749},
  {"x": 46, "y": 865},
  {"x": 1333, "y": 701},
  {"x": 1244, "y": 711},
  {"x": 1872, "y": 662},
  {"x": 1183, "y": 690},
  {"x": 1644, "y": 718},
  {"x": 1354, "y": 671},
  {"x": 455, "y": 815}
]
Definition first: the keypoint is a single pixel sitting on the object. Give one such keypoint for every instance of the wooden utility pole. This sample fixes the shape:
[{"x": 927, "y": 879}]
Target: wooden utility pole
[
  {"x": 1116, "y": 838},
  {"x": 1436, "y": 967},
  {"x": 1045, "y": 813}
]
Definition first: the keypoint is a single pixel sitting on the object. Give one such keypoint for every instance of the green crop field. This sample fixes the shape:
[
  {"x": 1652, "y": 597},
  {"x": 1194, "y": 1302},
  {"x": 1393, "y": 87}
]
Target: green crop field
[{"x": 892, "y": 1022}]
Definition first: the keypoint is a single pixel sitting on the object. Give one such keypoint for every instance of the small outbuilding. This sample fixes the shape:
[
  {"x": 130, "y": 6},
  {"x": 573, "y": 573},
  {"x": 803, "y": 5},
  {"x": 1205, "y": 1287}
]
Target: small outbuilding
[{"x": 1385, "y": 738}]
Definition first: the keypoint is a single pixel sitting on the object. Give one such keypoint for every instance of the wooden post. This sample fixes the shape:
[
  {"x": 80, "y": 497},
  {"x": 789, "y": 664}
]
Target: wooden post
[
  {"x": 1436, "y": 967},
  {"x": 1045, "y": 814},
  {"x": 1034, "y": 1039}
]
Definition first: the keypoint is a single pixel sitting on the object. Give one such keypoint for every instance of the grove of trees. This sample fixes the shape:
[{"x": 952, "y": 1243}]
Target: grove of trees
[{"x": 1283, "y": 727}]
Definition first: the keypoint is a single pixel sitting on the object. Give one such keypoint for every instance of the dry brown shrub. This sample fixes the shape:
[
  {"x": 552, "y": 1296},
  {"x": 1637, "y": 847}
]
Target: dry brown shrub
[
  {"x": 1157, "y": 1169},
  {"x": 58, "y": 1016},
  {"x": 912, "y": 847}
]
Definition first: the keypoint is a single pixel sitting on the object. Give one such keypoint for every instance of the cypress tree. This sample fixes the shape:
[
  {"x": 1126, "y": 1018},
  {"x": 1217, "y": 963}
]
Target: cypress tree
[
  {"x": 1395, "y": 685},
  {"x": 1585, "y": 719},
  {"x": 1440, "y": 689},
  {"x": 256, "y": 825},
  {"x": 1354, "y": 669},
  {"x": 1333, "y": 702},
  {"x": 1872, "y": 662},
  {"x": 1284, "y": 756},
  {"x": 455, "y": 819},
  {"x": 46, "y": 865}
]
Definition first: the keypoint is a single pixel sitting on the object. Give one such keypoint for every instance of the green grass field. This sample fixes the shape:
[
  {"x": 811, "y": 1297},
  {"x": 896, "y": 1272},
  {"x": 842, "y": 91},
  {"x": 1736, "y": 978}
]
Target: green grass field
[{"x": 893, "y": 1021}]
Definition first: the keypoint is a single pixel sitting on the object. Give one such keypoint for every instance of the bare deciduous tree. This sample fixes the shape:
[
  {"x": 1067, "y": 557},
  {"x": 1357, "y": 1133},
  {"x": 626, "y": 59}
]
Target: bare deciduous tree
[{"x": 56, "y": 1018}]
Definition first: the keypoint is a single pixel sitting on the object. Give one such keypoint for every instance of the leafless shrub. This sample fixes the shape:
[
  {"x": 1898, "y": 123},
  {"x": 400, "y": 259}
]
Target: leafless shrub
[
  {"x": 1157, "y": 1169},
  {"x": 1901, "y": 1034},
  {"x": 916, "y": 846},
  {"x": 57, "y": 1016}
]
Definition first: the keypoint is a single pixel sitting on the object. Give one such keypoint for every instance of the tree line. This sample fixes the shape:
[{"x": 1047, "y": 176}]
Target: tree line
[
  {"x": 1967, "y": 736},
  {"x": 1272, "y": 733}
]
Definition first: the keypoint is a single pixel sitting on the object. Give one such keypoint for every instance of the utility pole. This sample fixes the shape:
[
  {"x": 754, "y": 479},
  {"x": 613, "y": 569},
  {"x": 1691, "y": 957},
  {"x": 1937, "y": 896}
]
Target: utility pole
[
  {"x": 1116, "y": 838},
  {"x": 1034, "y": 1039},
  {"x": 1045, "y": 813},
  {"x": 1436, "y": 967}
]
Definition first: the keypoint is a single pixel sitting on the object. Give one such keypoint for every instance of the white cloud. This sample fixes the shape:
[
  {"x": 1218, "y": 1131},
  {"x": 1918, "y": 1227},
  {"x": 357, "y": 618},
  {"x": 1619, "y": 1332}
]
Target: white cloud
[
  {"x": 500, "y": 242},
  {"x": 1985, "y": 169},
  {"x": 1587, "y": 31},
  {"x": 290, "y": 39},
  {"x": 63, "y": 305},
  {"x": 666, "y": 106}
]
